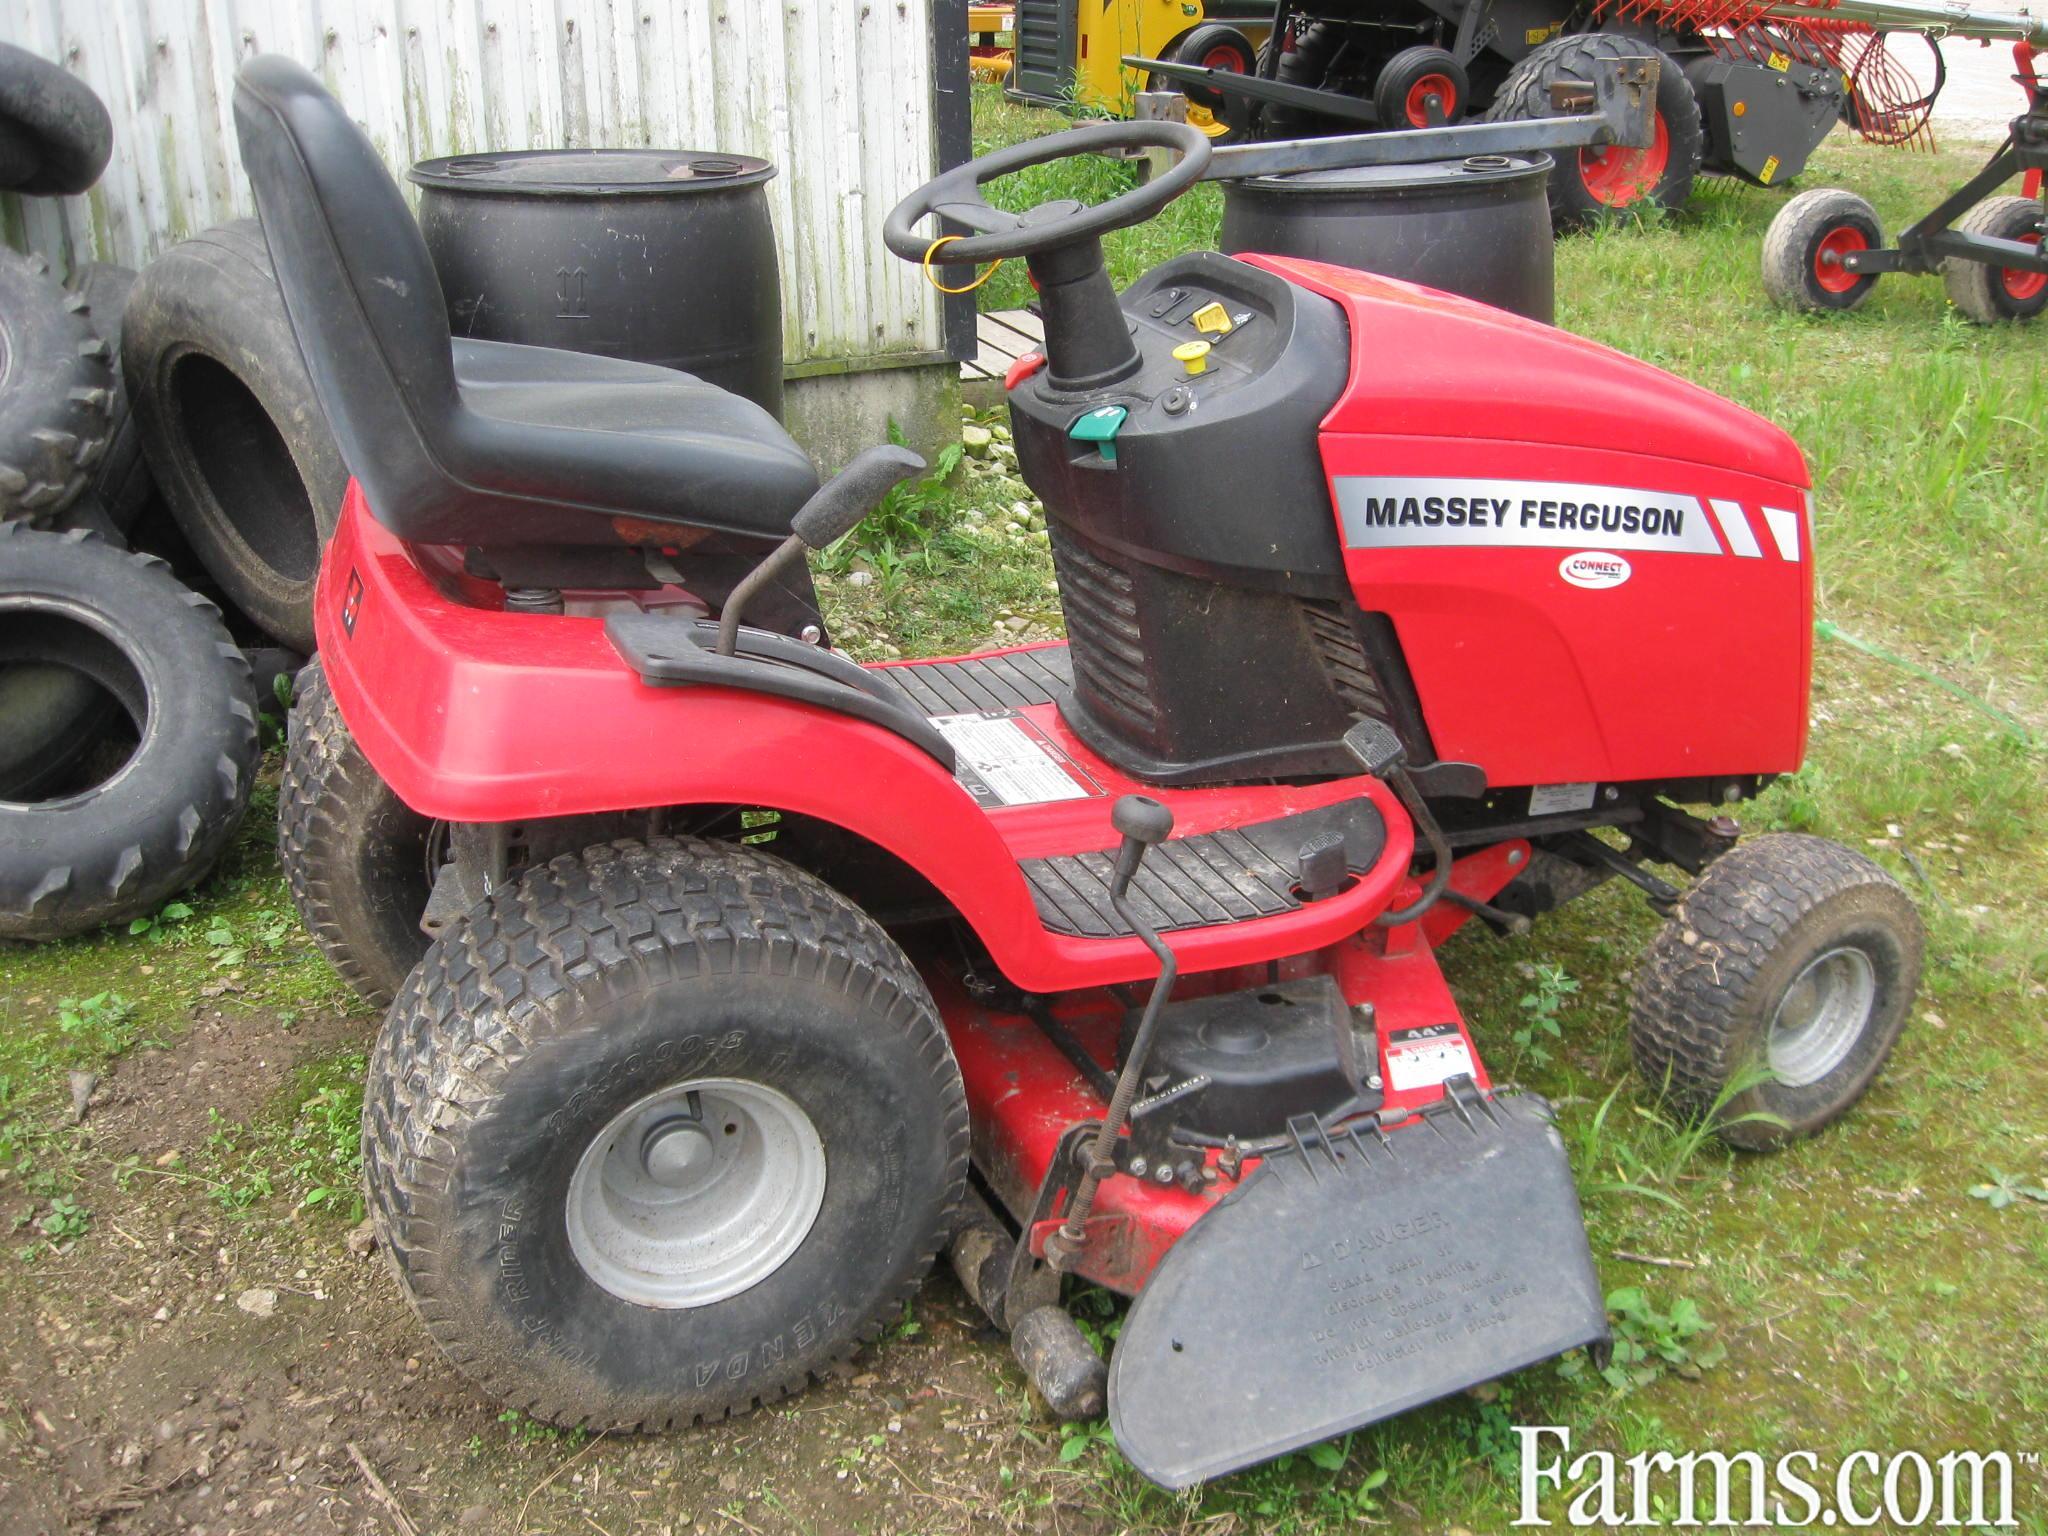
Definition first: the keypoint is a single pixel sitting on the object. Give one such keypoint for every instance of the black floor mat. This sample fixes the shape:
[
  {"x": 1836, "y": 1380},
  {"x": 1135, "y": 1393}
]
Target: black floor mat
[{"x": 973, "y": 684}]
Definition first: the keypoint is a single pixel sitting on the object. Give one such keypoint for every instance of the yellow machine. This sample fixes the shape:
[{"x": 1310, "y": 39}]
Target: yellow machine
[
  {"x": 1070, "y": 52},
  {"x": 988, "y": 39}
]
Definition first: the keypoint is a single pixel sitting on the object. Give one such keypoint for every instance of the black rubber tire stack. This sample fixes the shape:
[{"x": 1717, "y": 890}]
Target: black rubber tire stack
[
  {"x": 237, "y": 442},
  {"x": 56, "y": 388},
  {"x": 141, "y": 820},
  {"x": 128, "y": 730},
  {"x": 55, "y": 135},
  {"x": 121, "y": 478}
]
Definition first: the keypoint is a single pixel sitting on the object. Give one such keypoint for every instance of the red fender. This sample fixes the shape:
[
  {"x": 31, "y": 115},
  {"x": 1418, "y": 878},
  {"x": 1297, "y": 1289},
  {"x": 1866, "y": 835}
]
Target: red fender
[{"x": 474, "y": 714}]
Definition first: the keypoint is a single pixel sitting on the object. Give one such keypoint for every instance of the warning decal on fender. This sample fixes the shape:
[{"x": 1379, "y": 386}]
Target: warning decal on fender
[
  {"x": 1426, "y": 1056},
  {"x": 1003, "y": 759}
]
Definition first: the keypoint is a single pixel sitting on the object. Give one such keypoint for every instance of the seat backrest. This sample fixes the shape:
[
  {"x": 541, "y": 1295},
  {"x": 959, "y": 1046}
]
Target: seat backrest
[{"x": 358, "y": 284}]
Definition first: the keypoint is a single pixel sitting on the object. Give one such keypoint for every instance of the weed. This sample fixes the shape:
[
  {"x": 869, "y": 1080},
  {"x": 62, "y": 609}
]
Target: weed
[
  {"x": 2006, "y": 1189},
  {"x": 165, "y": 918},
  {"x": 1541, "y": 1007},
  {"x": 66, "y": 1220},
  {"x": 102, "y": 1023},
  {"x": 1648, "y": 1341}
]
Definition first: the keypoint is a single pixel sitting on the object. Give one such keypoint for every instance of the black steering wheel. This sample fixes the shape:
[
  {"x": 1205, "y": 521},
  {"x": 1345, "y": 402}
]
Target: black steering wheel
[{"x": 957, "y": 194}]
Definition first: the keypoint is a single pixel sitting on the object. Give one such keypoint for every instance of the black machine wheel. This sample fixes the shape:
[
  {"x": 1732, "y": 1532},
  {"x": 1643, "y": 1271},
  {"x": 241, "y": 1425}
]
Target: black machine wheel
[
  {"x": 354, "y": 854},
  {"x": 147, "y": 812},
  {"x": 1592, "y": 184},
  {"x": 1214, "y": 46},
  {"x": 239, "y": 444},
  {"x": 1793, "y": 955},
  {"x": 1988, "y": 294},
  {"x": 56, "y": 131},
  {"x": 1318, "y": 60},
  {"x": 1804, "y": 247},
  {"x": 121, "y": 477},
  {"x": 611, "y": 1027},
  {"x": 1411, "y": 78},
  {"x": 55, "y": 388}
]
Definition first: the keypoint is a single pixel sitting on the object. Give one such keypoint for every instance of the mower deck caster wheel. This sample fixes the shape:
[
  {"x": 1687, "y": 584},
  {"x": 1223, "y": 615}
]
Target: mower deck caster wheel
[
  {"x": 659, "y": 1132},
  {"x": 1772, "y": 996},
  {"x": 1991, "y": 295},
  {"x": 1804, "y": 247}
]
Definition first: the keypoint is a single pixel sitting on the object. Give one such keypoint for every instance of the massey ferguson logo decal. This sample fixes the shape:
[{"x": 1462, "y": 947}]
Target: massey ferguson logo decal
[
  {"x": 1593, "y": 568},
  {"x": 1407, "y": 512}
]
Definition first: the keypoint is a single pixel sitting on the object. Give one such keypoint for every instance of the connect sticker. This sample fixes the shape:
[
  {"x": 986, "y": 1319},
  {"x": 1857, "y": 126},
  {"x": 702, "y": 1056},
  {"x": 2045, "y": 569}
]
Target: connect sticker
[{"x": 1593, "y": 569}]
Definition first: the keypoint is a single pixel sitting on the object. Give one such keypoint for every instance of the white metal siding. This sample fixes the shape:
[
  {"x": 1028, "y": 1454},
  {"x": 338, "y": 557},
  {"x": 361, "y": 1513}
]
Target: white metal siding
[{"x": 837, "y": 93}]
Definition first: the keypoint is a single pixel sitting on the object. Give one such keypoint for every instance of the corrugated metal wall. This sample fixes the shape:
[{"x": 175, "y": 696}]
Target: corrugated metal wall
[{"x": 838, "y": 93}]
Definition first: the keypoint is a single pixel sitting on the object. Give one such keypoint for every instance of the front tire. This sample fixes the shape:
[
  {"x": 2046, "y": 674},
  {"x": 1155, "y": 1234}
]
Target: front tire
[
  {"x": 510, "y": 1097},
  {"x": 1773, "y": 994}
]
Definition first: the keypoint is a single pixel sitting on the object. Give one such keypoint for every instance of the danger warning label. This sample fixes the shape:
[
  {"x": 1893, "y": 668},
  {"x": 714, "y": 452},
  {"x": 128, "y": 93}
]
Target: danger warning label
[{"x": 1425, "y": 1056}]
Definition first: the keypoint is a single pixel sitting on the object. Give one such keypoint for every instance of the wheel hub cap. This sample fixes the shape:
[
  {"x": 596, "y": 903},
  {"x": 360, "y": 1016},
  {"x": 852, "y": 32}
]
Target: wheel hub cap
[
  {"x": 1821, "y": 1016},
  {"x": 695, "y": 1192}
]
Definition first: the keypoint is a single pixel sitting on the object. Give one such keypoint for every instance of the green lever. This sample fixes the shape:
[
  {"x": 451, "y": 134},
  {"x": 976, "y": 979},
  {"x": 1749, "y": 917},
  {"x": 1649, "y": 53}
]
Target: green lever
[{"x": 1100, "y": 427}]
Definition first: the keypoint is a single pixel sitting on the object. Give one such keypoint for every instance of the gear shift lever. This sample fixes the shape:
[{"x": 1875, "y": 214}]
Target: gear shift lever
[{"x": 1143, "y": 822}]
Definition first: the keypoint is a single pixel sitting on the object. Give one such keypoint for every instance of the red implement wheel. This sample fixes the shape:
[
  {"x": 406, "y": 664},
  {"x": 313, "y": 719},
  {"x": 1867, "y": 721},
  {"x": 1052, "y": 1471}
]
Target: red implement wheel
[
  {"x": 1987, "y": 294},
  {"x": 1596, "y": 183},
  {"x": 1805, "y": 245},
  {"x": 1410, "y": 79},
  {"x": 1213, "y": 46}
]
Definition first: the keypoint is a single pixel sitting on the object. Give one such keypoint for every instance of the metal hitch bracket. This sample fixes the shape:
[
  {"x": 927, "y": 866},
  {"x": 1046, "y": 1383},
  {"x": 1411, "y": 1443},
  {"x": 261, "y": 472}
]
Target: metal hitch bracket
[{"x": 1352, "y": 1278}]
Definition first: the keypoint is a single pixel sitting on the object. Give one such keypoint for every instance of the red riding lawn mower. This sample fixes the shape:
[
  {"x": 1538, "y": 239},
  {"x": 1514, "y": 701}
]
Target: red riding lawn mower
[{"x": 758, "y": 977}]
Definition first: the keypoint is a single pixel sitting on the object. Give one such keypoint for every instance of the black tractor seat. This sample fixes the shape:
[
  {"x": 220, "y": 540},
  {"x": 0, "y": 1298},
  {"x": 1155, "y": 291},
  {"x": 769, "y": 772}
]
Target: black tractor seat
[
  {"x": 619, "y": 439},
  {"x": 481, "y": 444}
]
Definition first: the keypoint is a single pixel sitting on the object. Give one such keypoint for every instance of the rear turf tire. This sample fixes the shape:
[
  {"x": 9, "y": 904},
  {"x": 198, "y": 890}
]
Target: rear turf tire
[
  {"x": 1729, "y": 985},
  {"x": 354, "y": 854},
  {"x": 1993, "y": 295},
  {"x": 557, "y": 1005},
  {"x": 1797, "y": 272}
]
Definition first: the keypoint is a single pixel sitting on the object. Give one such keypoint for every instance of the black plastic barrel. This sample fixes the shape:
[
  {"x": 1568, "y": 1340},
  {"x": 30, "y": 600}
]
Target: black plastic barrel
[
  {"x": 661, "y": 256},
  {"x": 1479, "y": 227}
]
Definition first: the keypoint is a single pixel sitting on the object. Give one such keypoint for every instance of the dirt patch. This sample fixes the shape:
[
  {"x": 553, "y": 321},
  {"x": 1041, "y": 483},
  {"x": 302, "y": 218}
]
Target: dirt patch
[{"x": 194, "y": 1368}]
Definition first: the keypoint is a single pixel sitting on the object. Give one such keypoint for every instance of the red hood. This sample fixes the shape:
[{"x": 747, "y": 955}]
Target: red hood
[{"x": 1431, "y": 364}]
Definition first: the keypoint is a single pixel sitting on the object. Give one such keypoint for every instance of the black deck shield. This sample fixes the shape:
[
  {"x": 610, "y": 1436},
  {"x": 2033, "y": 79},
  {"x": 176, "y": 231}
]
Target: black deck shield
[{"x": 1349, "y": 1281}]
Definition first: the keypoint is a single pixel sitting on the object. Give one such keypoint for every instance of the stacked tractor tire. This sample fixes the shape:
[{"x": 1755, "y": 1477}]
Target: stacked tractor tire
[{"x": 165, "y": 483}]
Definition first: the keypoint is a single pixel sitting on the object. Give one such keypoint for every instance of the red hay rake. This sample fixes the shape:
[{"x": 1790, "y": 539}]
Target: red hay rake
[{"x": 1888, "y": 102}]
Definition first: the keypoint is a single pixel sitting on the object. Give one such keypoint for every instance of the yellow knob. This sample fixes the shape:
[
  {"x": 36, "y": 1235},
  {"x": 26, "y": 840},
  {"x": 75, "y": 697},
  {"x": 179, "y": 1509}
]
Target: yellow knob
[{"x": 1193, "y": 356}]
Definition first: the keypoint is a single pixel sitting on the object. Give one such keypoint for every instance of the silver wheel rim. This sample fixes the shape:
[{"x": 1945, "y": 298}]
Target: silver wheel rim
[
  {"x": 1821, "y": 1016},
  {"x": 696, "y": 1192}
]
